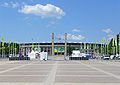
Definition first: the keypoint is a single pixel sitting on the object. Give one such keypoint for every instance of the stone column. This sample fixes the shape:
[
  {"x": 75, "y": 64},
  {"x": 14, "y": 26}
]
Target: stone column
[
  {"x": 52, "y": 43},
  {"x": 44, "y": 49},
  {"x": 65, "y": 44}
]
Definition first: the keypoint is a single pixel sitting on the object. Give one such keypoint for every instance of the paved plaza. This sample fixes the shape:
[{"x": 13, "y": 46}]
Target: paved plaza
[{"x": 56, "y": 71}]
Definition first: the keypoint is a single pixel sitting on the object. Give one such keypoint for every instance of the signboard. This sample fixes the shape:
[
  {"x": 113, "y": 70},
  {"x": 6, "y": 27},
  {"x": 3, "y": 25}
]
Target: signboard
[{"x": 59, "y": 49}]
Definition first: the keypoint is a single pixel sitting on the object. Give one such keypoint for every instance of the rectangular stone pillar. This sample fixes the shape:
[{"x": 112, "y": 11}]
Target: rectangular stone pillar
[
  {"x": 52, "y": 43},
  {"x": 65, "y": 44}
]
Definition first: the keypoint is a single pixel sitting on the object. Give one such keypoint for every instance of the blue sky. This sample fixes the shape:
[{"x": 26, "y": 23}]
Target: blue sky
[{"x": 83, "y": 20}]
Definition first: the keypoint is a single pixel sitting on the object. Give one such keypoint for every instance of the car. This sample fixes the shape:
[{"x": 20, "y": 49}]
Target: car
[
  {"x": 118, "y": 57},
  {"x": 112, "y": 57},
  {"x": 106, "y": 57}
]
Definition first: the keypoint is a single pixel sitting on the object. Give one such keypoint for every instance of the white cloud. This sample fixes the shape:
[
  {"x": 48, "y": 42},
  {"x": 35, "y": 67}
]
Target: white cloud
[
  {"x": 46, "y": 11},
  {"x": 107, "y": 30},
  {"x": 74, "y": 37},
  {"x": 110, "y": 36},
  {"x": 26, "y": 18},
  {"x": 109, "y": 33},
  {"x": 15, "y": 5},
  {"x": 5, "y": 4},
  {"x": 53, "y": 22},
  {"x": 75, "y": 30}
]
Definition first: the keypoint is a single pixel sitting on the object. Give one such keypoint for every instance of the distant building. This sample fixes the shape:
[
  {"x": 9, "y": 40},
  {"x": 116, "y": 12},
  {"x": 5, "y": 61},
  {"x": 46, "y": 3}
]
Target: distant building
[{"x": 59, "y": 47}]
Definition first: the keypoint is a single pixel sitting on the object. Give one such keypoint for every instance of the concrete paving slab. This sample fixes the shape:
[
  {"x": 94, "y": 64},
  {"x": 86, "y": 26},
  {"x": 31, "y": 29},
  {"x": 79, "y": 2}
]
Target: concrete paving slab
[
  {"x": 59, "y": 72},
  {"x": 22, "y": 79},
  {"x": 35, "y": 69},
  {"x": 79, "y": 79},
  {"x": 24, "y": 73},
  {"x": 80, "y": 73}
]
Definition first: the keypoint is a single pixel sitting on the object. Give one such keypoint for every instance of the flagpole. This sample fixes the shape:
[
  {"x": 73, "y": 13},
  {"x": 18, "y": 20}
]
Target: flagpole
[
  {"x": 116, "y": 47},
  {"x": 119, "y": 44},
  {"x": 2, "y": 52},
  {"x": 119, "y": 48},
  {"x": 15, "y": 49},
  {"x": 11, "y": 48},
  {"x": 101, "y": 48},
  {"x": 107, "y": 49},
  {"x": 19, "y": 46},
  {"x": 0, "y": 46},
  {"x": 107, "y": 46}
]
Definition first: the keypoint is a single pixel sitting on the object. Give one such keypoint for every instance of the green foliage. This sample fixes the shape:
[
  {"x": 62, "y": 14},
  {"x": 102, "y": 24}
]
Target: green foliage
[{"x": 6, "y": 48}]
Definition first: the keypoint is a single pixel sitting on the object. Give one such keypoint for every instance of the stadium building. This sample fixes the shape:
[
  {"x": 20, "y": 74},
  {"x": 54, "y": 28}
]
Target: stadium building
[{"x": 60, "y": 48}]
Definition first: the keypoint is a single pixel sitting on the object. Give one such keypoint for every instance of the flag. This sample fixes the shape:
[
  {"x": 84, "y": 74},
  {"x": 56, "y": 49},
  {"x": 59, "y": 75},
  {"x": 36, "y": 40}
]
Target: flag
[
  {"x": 81, "y": 46},
  {"x": 87, "y": 46},
  {"x": 56, "y": 38},
  {"x": 2, "y": 41},
  {"x": 15, "y": 44},
  {"x": 32, "y": 45},
  {"x": 84, "y": 45},
  {"x": 9, "y": 44},
  {"x": 95, "y": 45},
  {"x": 108, "y": 42},
  {"x": 113, "y": 42},
  {"x": 119, "y": 39},
  {"x": 116, "y": 41},
  {"x": 105, "y": 42},
  {"x": 90, "y": 46},
  {"x": 59, "y": 39},
  {"x": 19, "y": 44}
]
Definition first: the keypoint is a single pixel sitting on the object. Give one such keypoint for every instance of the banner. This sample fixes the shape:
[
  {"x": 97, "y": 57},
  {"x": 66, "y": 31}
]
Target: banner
[{"x": 59, "y": 49}]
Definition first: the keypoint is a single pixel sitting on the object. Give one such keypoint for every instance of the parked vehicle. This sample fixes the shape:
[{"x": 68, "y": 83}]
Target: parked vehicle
[
  {"x": 76, "y": 55},
  {"x": 112, "y": 57},
  {"x": 106, "y": 57},
  {"x": 118, "y": 57}
]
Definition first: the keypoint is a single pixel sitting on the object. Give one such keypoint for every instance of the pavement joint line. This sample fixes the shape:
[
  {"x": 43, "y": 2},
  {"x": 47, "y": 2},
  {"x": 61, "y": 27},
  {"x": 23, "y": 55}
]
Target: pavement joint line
[
  {"x": 73, "y": 68},
  {"x": 8, "y": 62},
  {"x": 29, "y": 83},
  {"x": 51, "y": 77},
  {"x": 86, "y": 75},
  {"x": 17, "y": 67},
  {"x": 109, "y": 63},
  {"x": 100, "y": 70},
  {"x": 87, "y": 83},
  {"x": 22, "y": 75},
  {"x": 75, "y": 71},
  {"x": 35, "y": 68},
  {"x": 28, "y": 71}
]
